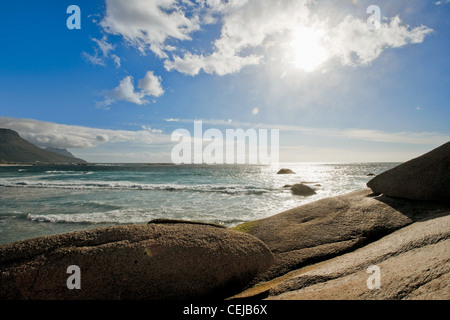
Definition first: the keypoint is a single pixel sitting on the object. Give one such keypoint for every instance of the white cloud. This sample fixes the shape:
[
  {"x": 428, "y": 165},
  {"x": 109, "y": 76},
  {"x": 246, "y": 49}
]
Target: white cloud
[
  {"x": 190, "y": 64},
  {"x": 100, "y": 58},
  {"x": 47, "y": 134},
  {"x": 104, "y": 46},
  {"x": 356, "y": 44},
  {"x": 218, "y": 63},
  {"x": 148, "y": 24},
  {"x": 150, "y": 85},
  {"x": 125, "y": 92},
  {"x": 172, "y": 120},
  {"x": 250, "y": 25},
  {"x": 116, "y": 60},
  {"x": 152, "y": 130},
  {"x": 93, "y": 59},
  {"x": 105, "y": 104},
  {"x": 102, "y": 137},
  {"x": 247, "y": 25},
  {"x": 248, "y": 29}
]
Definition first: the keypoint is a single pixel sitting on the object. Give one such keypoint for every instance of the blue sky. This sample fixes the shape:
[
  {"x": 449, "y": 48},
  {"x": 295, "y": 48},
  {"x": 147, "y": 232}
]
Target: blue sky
[{"x": 115, "y": 90}]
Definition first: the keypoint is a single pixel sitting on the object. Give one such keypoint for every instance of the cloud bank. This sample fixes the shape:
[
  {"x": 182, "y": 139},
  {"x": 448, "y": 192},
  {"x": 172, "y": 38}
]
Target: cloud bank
[
  {"x": 48, "y": 134},
  {"x": 248, "y": 27},
  {"x": 413, "y": 138},
  {"x": 149, "y": 144}
]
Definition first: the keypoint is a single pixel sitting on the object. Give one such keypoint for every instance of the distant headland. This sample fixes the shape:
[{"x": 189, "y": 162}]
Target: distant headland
[{"x": 16, "y": 150}]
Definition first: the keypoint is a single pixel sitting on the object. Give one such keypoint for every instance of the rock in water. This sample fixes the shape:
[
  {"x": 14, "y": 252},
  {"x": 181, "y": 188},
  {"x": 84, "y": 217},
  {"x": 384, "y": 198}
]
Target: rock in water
[
  {"x": 148, "y": 262},
  {"x": 423, "y": 178},
  {"x": 286, "y": 171},
  {"x": 302, "y": 190}
]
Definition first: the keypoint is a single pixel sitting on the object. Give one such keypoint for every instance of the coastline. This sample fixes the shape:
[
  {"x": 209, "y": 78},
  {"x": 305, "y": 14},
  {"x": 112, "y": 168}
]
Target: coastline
[
  {"x": 319, "y": 250},
  {"x": 323, "y": 261}
]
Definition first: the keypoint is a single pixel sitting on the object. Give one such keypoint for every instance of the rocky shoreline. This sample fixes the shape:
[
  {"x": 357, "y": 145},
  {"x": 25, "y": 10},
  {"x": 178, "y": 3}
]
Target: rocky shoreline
[
  {"x": 322, "y": 250},
  {"x": 414, "y": 263}
]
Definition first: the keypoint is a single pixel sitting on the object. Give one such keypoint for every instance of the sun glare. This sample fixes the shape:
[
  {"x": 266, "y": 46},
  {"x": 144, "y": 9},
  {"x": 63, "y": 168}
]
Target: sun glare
[{"x": 308, "y": 51}]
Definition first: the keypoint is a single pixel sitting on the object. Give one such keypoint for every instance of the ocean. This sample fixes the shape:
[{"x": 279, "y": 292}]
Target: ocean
[{"x": 44, "y": 200}]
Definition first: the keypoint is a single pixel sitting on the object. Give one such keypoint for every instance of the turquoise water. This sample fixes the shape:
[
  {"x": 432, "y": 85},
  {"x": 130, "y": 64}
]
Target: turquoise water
[{"x": 44, "y": 200}]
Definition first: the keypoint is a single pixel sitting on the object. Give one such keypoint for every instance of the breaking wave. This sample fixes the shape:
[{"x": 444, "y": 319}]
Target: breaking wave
[{"x": 115, "y": 185}]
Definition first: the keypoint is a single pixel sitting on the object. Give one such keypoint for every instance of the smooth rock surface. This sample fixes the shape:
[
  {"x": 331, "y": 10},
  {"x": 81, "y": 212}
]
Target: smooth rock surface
[
  {"x": 151, "y": 262},
  {"x": 329, "y": 227},
  {"x": 424, "y": 178},
  {"x": 414, "y": 263}
]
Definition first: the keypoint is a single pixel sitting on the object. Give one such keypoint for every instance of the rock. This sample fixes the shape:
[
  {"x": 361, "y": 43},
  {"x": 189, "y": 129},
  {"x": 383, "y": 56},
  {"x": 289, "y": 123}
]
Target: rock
[
  {"x": 424, "y": 178},
  {"x": 287, "y": 186},
  {"x": 286, "y": 171},
  {"x": 157, "y": 261},
  {"x": 370, "y": 175},
  {"x": 326, "y": 228},
  {"x": 414, "y": 263},
  {"x": 302, "y": 190}
]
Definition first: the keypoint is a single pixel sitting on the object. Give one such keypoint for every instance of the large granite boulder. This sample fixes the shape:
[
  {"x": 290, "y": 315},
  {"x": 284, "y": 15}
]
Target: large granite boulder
[
  {"x": 411, "y": 263},
  {"x": 158, "y": 261},
  {"x": 424, "y": 178},
  {"x": 329, "y": 227}
]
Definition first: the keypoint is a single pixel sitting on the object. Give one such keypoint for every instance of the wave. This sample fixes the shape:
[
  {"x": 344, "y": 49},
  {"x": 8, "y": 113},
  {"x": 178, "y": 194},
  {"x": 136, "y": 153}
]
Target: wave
[
  {"x": 112, "y": 217},
  {"x": 75, "y": 218},
  {"x": 123, "y": 216},
  {"x": 115, "y": 185},
  {"x": 73, "y": 173}
]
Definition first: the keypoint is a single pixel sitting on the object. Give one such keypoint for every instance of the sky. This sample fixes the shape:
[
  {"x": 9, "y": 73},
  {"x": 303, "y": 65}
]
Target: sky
[{"x": 340, "y": 82}]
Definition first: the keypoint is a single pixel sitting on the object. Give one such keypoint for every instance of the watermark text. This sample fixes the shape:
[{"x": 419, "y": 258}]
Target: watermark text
[{"x": 236, "y": 146}]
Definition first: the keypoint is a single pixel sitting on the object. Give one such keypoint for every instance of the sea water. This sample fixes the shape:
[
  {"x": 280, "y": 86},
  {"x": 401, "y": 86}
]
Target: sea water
[{"x": 45, "y": 200}]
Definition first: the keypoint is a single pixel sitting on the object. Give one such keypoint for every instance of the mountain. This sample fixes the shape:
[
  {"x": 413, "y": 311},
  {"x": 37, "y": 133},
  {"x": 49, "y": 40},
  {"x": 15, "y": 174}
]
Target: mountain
[
  {"x": 17, "y": 150},
  {"x": 62, "y": 151}
]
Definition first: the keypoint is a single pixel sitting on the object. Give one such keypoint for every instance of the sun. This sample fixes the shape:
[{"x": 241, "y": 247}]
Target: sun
[{"x": 308, "y": 50}]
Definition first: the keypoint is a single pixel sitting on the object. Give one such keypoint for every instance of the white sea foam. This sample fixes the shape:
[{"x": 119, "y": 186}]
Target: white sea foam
[
  {"x": 120, "y": 185},
  {"x": 113, "y": 217}
]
